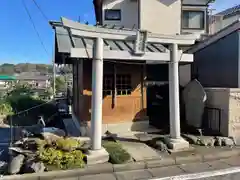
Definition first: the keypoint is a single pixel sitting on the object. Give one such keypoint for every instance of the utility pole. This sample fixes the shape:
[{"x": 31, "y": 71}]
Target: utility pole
[
  {"x": 54, "y": 80},
  {"x": 54, "y": 73}
]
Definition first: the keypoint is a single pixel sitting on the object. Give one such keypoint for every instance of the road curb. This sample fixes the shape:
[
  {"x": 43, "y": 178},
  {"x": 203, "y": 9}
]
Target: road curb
[
  {"x": 160, "y": 162},
  {"x": 188, "y": 159},
  {"x": 129, "y": 166},
  {"x": 88, "y": 170},
  {"x": 111, "y": 168},
  {"x": 221, "y": 155}
]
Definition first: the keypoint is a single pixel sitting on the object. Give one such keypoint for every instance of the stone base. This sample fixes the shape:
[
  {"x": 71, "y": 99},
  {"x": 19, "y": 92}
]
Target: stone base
[
  {"x": 177, "y": 144},
  {"x": 97, "y": 156}
]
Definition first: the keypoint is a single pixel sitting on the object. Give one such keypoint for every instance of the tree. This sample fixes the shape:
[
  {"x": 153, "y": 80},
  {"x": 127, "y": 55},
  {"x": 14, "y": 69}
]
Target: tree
[
  {"x": 60, "y": 84},
  {"x": 20, "y": 89},
  {"x": 7, "y": 69}
]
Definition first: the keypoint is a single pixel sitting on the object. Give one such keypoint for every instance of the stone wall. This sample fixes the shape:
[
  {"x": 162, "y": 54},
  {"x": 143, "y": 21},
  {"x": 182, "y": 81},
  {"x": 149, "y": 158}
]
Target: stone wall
[{"x": 228, "y": 101}]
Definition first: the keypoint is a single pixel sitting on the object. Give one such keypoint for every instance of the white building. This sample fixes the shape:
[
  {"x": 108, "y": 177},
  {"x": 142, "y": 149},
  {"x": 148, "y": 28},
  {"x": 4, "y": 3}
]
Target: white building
[
  {"x": 224, "y": 19},
  {"x": 163, "y": 17}
]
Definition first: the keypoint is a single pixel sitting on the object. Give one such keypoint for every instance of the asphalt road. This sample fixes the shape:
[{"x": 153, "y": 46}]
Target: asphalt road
[{"x": 235, "y": 176}]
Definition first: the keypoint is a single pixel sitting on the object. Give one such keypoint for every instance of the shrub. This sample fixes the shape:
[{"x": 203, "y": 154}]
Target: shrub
[
  {"x": 24, "y": 102},
  {"x": 62, "y": 155},
  {"x": 62, "y": 159},
  {"x": 5, "y": 108},
  {"x": 67, "y": 144},
  {"x": 117, "y": 154}
]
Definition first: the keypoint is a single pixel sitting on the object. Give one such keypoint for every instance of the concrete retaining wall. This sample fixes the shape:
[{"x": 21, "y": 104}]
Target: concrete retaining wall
[{"x": 228, "y": 100}]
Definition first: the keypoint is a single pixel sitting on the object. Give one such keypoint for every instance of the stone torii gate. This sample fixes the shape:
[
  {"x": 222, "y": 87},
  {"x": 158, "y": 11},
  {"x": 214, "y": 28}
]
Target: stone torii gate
[{"x": 99, "y": 52}]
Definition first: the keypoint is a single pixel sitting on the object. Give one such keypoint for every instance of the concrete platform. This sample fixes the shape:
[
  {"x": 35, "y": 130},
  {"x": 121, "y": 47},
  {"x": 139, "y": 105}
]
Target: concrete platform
[
  {"x": 177, "y": 145},
  {"x": 97, "y": 157},
  {"x": 140, "y": 151}
]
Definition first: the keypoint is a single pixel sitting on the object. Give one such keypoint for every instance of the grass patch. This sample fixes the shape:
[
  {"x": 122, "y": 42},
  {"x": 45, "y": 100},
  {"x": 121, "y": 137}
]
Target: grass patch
[{"x": 117, "y": 154}]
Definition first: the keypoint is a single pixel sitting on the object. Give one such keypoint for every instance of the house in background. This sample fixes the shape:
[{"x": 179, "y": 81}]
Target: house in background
[
  {"x": 163, "y": 17},
  {"x": 223, "y": 19},
  {"x": 217, "y": 59},
  {"x": 34, "y": 79}
]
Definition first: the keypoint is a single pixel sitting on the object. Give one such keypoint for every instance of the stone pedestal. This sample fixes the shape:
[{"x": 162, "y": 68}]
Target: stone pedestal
[
  {"x": 179, "y": 144},
  {"x": 97, "y": 156}
]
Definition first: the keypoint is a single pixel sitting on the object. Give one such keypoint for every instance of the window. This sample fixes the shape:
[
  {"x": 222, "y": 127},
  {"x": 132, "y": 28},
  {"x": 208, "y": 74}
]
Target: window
[
  {"x": 193, "y": 19},
  {"x": 107, "y": 85},
  {"x": 112, "y": 14},
  {"x": 123, "y": 84}
]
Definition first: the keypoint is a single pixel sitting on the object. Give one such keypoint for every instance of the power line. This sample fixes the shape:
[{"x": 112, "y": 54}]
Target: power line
[
  {"x": 31, "y": 20},
  {"x": 39, "y": 8}
]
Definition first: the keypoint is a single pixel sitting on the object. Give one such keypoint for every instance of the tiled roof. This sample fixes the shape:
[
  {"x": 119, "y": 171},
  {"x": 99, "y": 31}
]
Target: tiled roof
[
  {"x": 6, "y": 77},
  {"x": 229, "y": 12},
  {"x": 64, "y": 43}
]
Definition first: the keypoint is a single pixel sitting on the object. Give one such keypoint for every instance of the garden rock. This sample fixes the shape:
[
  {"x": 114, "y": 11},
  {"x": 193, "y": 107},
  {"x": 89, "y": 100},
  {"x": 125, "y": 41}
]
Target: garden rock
[
  {"x": 218, "y": 141},
  {"x": 161, "y": 146},
  {"x": 50, "y": 137},
  {"x": 25, "y": 133},
  {"x": 227, "y": 141},
  {"x": 18, "y": 150},
  {"x": 85, "y": 147},
  {"x": 191, "y": 138},
  {"x": 16, "y": 164},
  {"x": 55, "y": 131},
  {"x": 143, "y": 137},
  {"x": 31, "y": 144},
  {"x": 35, "y": 129},
  {"x": 34, "y": 167},
  {"x": 207, "y": 141}
]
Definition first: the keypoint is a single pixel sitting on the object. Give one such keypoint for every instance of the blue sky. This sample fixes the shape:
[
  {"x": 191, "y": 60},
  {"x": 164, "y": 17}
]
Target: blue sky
[{"x": 18, "y": 40}]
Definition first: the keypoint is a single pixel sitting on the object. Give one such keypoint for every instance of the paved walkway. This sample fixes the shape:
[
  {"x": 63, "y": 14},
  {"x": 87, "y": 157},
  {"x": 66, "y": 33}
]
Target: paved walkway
[
  {"x": 140, "y": 151},
  {"x": 183, "y": 169}
]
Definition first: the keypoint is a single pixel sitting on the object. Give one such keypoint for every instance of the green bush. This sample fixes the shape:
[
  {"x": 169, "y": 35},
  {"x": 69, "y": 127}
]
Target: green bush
[
  {"x": 117, "y": 154},
  {"x": 68, "y": 144},
  {"x": 5, "y": 108},
  {"x": 62, "y": 155},
  {"x": 24, "y": 102},
  {"x": 62, "y": 159}
]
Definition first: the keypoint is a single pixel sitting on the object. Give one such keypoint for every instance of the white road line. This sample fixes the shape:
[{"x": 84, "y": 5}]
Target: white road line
[{"x": 202, "y": 174}]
